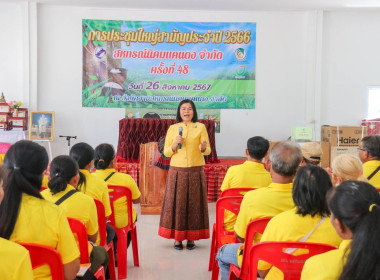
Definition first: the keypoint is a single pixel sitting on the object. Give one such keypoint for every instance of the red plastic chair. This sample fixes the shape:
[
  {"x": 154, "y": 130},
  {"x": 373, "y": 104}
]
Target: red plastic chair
[
  {"x": 117, "y": 192},
  {"x": 236, "y": 191},
  {"x": 255, "y": 226},
  {"x": 219, "y": 235},
  {"x": 103, "y": 238},
  {"x": 290, "y": 265},
  {"x": 79, "y": 229},
  {"x": 44, "y": 255}
]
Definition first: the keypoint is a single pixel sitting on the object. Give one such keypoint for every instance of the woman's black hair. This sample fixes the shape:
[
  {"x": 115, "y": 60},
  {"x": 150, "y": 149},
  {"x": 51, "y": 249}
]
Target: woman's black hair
[
  {"x": 83, "y": 154},
  {"x": 25, "y": 162},
  {"x": 356, "y": 205},
  {"x": 104, "y": 154},
  {"x": 310, "y": 187},
  {"x": 62, "y": 170},
  {"x": 195, "y": 115}
]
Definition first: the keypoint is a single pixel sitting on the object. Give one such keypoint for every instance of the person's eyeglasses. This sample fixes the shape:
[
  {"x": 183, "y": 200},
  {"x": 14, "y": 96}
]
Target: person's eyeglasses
[{"x": 361, "y": 149}]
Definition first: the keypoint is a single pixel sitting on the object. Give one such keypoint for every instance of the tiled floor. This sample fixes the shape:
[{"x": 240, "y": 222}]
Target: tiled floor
[{"x": 159, "y": 260}]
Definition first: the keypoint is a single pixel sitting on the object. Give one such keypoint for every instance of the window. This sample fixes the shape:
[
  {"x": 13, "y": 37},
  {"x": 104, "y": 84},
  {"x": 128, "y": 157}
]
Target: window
[{"x": 373, "y": 102}]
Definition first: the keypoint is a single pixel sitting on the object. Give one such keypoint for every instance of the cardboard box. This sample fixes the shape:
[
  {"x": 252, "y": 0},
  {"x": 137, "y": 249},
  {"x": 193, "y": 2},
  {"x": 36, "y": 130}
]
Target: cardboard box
[
  {"x": 336, "y": 151},
  {"x": 347, "y": 135}
]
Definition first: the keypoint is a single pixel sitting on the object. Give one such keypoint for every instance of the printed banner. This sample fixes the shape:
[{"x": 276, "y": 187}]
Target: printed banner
[
  {"x": 143, "y": 64},
  {"x": 170, "y": 113}
]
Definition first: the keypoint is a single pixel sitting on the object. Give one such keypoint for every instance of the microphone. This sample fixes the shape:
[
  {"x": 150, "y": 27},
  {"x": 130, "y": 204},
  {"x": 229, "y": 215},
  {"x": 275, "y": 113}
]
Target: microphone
[{"x": 180, "y": 133}]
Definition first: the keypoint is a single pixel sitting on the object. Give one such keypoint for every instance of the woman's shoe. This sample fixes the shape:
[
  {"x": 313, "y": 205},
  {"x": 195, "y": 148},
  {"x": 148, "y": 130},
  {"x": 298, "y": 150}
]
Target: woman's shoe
[
  {"x": 190, "y": 245},
  {"x": 178, "y": 246}
]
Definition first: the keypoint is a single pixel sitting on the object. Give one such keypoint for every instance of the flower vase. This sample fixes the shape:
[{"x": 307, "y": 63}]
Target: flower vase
[{"x": 15, "y": 112}]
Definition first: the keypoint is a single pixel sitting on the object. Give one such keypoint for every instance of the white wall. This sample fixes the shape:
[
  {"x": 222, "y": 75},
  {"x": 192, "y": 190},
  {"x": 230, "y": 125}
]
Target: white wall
[
  {"x": 351, "y": 62},
  {"x": 281, "y": 51},
  {"x": 312, "y": 68},
  {"x": 11, "y": 51}
]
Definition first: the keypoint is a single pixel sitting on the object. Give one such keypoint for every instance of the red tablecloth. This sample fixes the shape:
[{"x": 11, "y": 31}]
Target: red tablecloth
[
  {"x": 214, "y": 175},
  {"x": 133, "y": 132}
]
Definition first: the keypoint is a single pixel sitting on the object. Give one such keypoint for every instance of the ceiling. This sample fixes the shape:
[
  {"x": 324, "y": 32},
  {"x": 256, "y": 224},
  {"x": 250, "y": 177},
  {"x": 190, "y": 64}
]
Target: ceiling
[{"x": 221, "y": 5}]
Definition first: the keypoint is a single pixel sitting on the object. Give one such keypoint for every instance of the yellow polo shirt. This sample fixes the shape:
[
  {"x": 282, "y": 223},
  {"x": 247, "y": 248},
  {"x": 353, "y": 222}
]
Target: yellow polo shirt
[
  {"x": 41, "y": 222},
  {"x": 120, "y": 205},
  {"x": 78, "y": 206},
  {"x": 189, "y": 155},
  {"x": 368, "y": 168},
  {"x": 327, "y": 266},
  {"x": 260, "y": 203},
  {"x": 15, "y": 261},
  {"x": 45, "y": 181},
  {"x": 250, "y": 174},
  {"x": 289, "y": 226},
  {"x": 97, "y": 189}
]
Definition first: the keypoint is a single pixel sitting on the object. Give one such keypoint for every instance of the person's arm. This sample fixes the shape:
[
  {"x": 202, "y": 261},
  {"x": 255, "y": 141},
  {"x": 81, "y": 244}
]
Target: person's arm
[
  {"x": 92, "y": 237},
  {"x": 241, "y": 239},
  {"x": 71, "y": 269},
  {"x": 169, "y": 140},
  {"x": 263, "y": 273},
  {"x": 204, "y": 146},
  {"x": 136, "y": 201}
]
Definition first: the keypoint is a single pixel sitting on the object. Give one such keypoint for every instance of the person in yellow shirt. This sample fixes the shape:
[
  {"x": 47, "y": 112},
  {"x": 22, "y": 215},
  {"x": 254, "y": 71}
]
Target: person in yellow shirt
[
  {"x": 105, "y": 162},
  {"x": 285, "y": 158},
  {"x": 355, "y": 215},
  {"x": 369, "y": 154},
  {"x": 64, "y": 178},
  {"x": 250, "y": 174},
  {"x": 83, "y": 154},
  {"x": 15, "y": 263},
  {"x": 346, "y": 167},
  {"x": 307, "y": 222},
  {"x": 184, "y": 214},
  {"x": 26, "y": 217}
]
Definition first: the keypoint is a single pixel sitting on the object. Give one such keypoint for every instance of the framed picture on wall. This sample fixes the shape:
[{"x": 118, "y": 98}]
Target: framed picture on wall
[{"x": 41, "y": 126}]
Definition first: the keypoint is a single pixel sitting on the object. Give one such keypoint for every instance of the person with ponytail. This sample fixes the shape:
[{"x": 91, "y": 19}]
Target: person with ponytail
[
  {"x": 26, "y": 217},
  {"x": 346, "y": 167},
  {"x": 355, "y": 215},
  {"x": 105, "y": 162},
  {"x": 17, "y": 264},
  {"x": 64, "y": 178}
]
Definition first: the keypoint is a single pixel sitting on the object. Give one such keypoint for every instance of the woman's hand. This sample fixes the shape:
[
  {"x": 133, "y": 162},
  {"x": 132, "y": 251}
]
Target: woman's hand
[
  {"x": 177, "y": 140},
  {"x": 203, "y": 146}
]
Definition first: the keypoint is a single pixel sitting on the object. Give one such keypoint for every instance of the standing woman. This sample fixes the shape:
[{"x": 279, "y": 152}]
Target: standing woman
[{"x": 184, "y": 214}]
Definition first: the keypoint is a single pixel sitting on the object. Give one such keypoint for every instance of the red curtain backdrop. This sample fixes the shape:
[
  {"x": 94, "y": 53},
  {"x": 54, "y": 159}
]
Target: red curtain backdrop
[{"x": 133, "y": 132}]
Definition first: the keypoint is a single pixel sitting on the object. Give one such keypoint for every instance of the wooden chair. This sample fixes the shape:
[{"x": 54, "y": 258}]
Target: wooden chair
[
  {"x": 219, "y": 235},
  {"x": 290, "y": 265},
  {"x": 44, "y": 255},
  {"x": 79, "y": 229},
  {"x": 255, "y": 226},
  {"x": 103, "y": 238},
  {"x": 117, "y": 192},
  {"x": 236, "y": 191}
]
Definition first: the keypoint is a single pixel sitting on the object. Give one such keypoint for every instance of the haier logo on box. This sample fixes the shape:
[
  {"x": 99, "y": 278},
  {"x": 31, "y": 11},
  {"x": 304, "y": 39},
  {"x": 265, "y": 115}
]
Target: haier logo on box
[{"x": 349, "y": 141}]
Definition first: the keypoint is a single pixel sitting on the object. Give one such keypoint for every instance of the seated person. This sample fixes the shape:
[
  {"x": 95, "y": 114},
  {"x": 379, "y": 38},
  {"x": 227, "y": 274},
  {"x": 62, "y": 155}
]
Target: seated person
[
  {"x": 311, "y": 152},
  {"x": 64, "y": 179},
  {"x": 308, "y": 222},
  {"x": 285, "y": 158},
  {"x": 26, "y": 217},
  {"x": 83, "y": 154},
  {"x": 346, "y": 167},
  {"x": 105, "y": 162},
  {"x": 250, "y": 174},
  {"x": 16, "y": 264},
  {"x": 355, "y": 215},
  {"x": 369, "y": 154}
]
